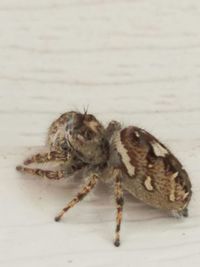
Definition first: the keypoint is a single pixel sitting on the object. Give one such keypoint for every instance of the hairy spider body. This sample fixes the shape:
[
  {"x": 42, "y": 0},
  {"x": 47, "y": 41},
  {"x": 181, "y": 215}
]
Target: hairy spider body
[{"x": 133, "y": 158}]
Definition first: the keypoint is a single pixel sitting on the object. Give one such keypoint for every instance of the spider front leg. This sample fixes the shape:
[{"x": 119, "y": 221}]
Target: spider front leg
[
  {"x": 42, "y": 158},
  {"x": 120, "y": 202},
  {"x": 53, "y": 175},
  {"x": 68, "y": 165},
  {"x": 85, "y": 190},
  {"x": 46, "y": 157}
]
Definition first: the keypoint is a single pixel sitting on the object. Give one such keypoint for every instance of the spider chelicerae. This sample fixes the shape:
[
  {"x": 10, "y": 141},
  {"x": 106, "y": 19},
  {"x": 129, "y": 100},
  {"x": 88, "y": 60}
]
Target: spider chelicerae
[{"x": 130, "y": 157}]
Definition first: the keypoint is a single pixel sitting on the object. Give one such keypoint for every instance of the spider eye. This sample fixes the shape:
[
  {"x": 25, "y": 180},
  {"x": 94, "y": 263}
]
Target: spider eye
[
  {"x": 64, "y": 146},
  {"x": 88, "y": 135},
  {"x": 90, "y": 118}
]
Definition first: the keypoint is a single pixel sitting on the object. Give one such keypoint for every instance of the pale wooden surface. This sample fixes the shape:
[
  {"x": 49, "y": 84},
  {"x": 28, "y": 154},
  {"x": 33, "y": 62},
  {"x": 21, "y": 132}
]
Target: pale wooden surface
[{"x": 134, "y": 61}]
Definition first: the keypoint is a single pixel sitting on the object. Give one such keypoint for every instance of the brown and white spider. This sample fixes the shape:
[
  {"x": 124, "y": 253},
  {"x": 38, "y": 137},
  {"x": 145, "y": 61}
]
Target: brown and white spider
[{"x": 131, "y": 157}]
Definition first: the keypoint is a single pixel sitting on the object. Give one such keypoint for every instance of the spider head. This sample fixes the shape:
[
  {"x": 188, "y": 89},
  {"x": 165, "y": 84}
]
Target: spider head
[{"x": 86, "y": 137}]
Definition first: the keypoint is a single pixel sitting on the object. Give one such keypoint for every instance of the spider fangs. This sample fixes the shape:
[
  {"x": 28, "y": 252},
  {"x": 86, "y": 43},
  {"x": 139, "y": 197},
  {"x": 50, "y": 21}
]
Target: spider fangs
[{"x": 130, "y": 157}]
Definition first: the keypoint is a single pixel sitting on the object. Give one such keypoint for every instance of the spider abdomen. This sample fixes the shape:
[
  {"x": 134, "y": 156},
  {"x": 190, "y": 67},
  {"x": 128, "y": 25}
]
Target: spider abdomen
[{"x": 152, "y": 173}]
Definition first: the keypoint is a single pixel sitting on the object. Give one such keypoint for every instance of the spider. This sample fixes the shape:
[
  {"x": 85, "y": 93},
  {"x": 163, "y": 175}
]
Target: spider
[{"x": 131, "y": 158}]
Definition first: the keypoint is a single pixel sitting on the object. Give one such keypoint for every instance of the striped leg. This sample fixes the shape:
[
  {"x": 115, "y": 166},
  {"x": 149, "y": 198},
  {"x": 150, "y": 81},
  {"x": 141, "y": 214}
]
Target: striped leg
[
  {"x": 85, "y": 190},
  {"x": 54, "y": 175},
  {"x": 119, "y": 201},
  {"x": 45, "y": 157}
]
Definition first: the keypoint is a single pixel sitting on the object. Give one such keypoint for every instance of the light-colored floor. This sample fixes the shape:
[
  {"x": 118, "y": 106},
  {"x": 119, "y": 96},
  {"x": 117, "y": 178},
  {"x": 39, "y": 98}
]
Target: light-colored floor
[{"x": 134, "y": 61}]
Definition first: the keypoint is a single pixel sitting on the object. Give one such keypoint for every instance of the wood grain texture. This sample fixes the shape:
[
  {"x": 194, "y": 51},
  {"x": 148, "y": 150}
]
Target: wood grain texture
[{"x": 134, "y": 61}]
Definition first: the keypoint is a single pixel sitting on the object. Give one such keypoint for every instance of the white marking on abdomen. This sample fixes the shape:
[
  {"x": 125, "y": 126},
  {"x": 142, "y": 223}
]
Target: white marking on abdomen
[
  {"x": 148, "y": 183},
  {"x": 124, "y": 155},
  {"x": 159, "y": 150},
  {"x": 137, "y": 134}
]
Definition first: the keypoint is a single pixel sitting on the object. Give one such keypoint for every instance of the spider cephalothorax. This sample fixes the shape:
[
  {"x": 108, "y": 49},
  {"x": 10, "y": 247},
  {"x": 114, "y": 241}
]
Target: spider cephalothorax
[
  {"x": 86, "y": 137},
  {"x": 133, "y": 158}
]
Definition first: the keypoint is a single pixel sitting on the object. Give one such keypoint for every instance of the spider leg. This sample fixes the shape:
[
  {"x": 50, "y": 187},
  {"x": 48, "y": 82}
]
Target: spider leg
[
  {"x": 46, "y": 157},
  {"x": 119, "y": 201},
  {"x": 54, "y": 175},
  {"x": 85, "y": 190},
  {"x": 68, "y": 165}
]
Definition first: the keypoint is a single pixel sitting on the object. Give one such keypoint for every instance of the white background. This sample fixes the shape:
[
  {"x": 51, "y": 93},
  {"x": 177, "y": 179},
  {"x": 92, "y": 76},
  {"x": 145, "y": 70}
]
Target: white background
[{"x": 134, "y": 61}]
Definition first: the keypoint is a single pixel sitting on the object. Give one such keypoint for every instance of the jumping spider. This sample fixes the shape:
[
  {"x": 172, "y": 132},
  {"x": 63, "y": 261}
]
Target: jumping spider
[{"x": 134, "y": 159}]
